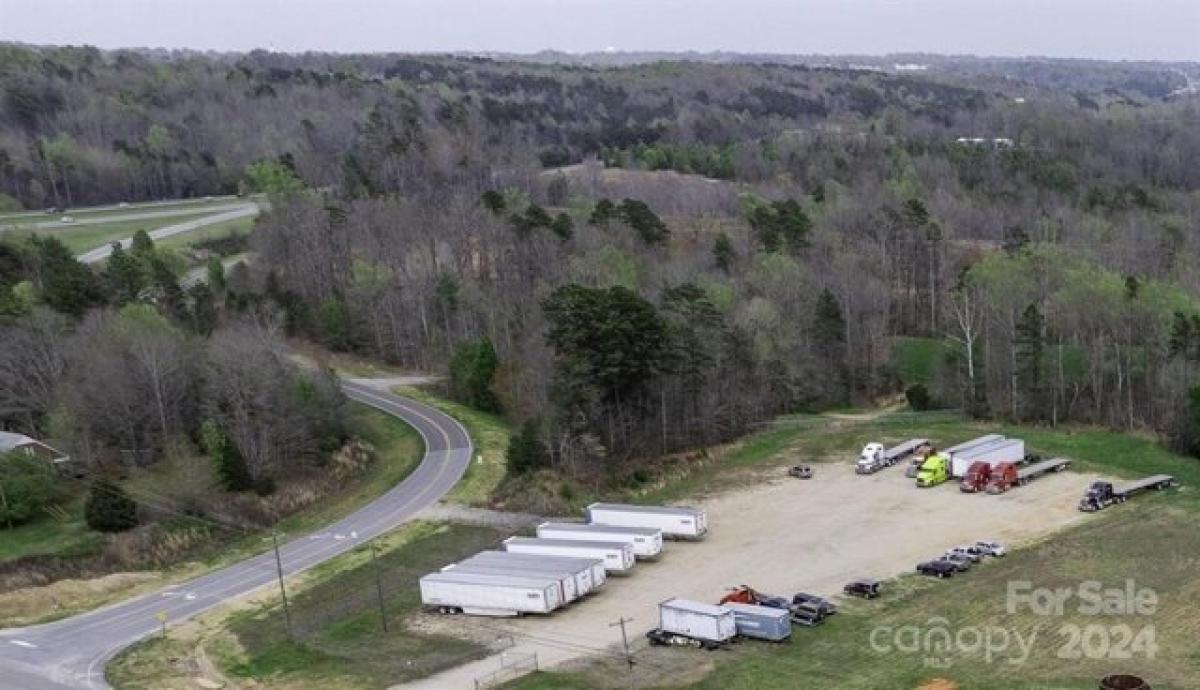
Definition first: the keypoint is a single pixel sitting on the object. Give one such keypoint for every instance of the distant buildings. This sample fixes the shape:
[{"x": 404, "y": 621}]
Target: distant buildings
[
  {"x": 20, "y": 443},
  {"x": 996, "y": 142},
  {"x": 910, "y": 67}
]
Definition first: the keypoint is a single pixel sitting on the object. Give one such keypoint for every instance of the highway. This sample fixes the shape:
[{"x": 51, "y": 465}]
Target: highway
[
  {"x": 72, "y": 653},
  {"x": 234, "y": 212}
]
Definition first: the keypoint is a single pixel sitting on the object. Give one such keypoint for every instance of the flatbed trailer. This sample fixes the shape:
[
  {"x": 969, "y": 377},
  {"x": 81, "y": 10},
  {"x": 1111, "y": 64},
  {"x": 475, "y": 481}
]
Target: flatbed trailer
[
  {"x": 1028, "y": 473},
  {"x": 1102, "y": 494},
  {"x": 1007, "y": 475}
]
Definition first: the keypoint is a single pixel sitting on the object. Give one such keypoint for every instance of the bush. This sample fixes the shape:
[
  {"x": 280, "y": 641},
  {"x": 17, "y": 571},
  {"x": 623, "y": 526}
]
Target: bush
[
  {"x": 471, "y": 372},
  {"x": 228, "y": 462},
  {"x": 109, "y": 508},
  {"x": 27, "y": 484},
  {"x": 919, "y": 398},
  {"x": 525, "y": 451}
]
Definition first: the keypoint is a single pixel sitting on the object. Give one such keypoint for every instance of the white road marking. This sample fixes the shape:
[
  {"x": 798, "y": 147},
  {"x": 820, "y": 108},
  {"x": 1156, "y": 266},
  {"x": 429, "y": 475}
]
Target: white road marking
[{"x": 23, "y": 643}]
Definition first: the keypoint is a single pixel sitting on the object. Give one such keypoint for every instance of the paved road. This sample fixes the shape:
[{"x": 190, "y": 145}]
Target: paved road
[
  {"x": 241, "y": 211},
  {"x": 71, "y": 653},
  {"x": 83, "y": 211},
  {"x": 132, "y": 216}
]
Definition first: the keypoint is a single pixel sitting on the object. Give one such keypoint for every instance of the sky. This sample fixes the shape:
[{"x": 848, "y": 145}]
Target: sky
[{"x": 1106, "y": 29}]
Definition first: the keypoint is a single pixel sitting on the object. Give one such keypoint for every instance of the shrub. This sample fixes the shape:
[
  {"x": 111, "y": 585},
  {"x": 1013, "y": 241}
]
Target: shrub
[
  {"x": 27, "y": 484},
  {"x": 109, "y": 508},
  {"x": 919, "y": 398},
  {"x": 525, "y": 451}
]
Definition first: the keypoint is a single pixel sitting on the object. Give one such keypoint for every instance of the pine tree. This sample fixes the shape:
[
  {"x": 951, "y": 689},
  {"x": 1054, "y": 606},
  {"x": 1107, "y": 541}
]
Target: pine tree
[
  {"x": 109, "y": 509},
  {"x": 228, "y": 463},
  {"x": 525, "y": 452},
  {"x": 829, "y": 341},
  {"x": 722, "y": 251}
]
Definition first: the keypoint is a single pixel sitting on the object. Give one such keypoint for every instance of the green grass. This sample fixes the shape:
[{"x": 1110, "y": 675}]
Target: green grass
[
  {"x": 82, "y": 238},
  {"x": 48, "y": 536},
  {"x": 237, "y": 226},
  {"x": 338, "y": 638},
  {"x": 488, "y": 432}
]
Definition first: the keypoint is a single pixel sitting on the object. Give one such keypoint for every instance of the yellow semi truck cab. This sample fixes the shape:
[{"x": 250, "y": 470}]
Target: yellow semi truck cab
[{"x": 934, "y": 471}]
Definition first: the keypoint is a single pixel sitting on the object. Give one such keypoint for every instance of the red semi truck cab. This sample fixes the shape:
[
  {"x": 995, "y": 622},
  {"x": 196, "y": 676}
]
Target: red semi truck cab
[
  {"x": 976, "y": 478},
  {"x": 1004, "y": 477}
]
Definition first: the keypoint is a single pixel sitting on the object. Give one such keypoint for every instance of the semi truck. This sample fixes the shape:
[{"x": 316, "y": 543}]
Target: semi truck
[
  {"x": 693, "y": 623},
  {"x": 1005, "y": 450},
  {"x": 490, "y": 594},
  {"x": 1102, "y": 494},
  {"x": 646, "y": 541},
  {"x": 915, "y": 467},
  {"x": 1007, "y": 475},
  {"x": 934, "y": 471},
  {"x": 761, "y": 622},
  {"x": 875, "y": 457},
  {"x": 568, "y": 586},
  {"x": 674, "y": 522},
  {"x": 617, "y": 556},
  {"x": 590, "y": 572}
]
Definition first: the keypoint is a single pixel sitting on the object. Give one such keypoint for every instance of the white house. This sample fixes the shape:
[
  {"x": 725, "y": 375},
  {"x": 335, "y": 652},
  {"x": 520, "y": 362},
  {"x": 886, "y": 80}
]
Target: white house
[{"x": 20, "y": 443}]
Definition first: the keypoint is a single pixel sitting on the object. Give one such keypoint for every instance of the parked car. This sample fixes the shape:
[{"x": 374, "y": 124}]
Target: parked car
[
  {"x": 800, "y": 471},
  {"x": 961, "y": 563},
  {"x": 806, "y": 614},
  {"x": 972, "y": 552},
  {"x": 991, "y": 548},
  {"x": 824, "y": 606},
  {"x": 937, "y": 568},
  {"x": 865, "y": 588}
]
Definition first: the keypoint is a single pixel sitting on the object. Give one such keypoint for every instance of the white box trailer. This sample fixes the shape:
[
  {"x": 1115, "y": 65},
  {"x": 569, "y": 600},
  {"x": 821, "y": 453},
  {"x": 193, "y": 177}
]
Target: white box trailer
[
  {"x": 697, "y": 620},
  {"x": 979, "y": 441},
  {"x": 647, "y": 541},
  {"x": 489, "y": 595},
  {"x": 1008, "y": 450},
  {"x": 568, "y": 587},
  {"x": 616, "y": 555},
  {"x": 761, "y": 622},
  {"x": 589, "y": 572},
  {"x": 675, "y": 522}
]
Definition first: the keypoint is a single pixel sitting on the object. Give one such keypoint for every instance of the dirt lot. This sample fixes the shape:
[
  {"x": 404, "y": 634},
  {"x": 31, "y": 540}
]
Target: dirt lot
[{"x": 780, "y": 537}]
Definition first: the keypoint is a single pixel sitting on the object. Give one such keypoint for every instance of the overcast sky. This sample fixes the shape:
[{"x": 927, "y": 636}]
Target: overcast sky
[{"x": 1116, "y": 29}]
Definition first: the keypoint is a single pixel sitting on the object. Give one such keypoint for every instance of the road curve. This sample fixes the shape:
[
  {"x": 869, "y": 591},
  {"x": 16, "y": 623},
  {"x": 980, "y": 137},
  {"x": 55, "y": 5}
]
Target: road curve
[
  {"x": 72, "y": 653},
  {"x": 241, "y": 211}
]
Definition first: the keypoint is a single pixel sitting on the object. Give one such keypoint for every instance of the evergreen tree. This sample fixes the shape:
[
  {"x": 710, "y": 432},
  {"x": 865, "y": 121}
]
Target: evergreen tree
[
  {"x": 108, "y": 508},
  {"x": 471, "y": 372},
  {"x": 722, "y": 251},
  {"x": 494, "y": 201},
  {"x": 602, "y": 212},
  {"x": 216, "y": 274},
  {"x": 124, "y": 274},
  {"x": 1030, "y": 352},
  {"x": 648, "y": 226},
  {"x": 829, "y": 342},
  {"x": 63, "y": 283},
  {"x": 525, "y": 451},
  {"x": 562, "y": 226},
  {"x": 228, "y": 463}
]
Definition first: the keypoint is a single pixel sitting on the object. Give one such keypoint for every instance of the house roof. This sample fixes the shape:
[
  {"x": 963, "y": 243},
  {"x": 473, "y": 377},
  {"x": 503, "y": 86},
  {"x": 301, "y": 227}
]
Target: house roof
[{"x": 10, "y": 441}]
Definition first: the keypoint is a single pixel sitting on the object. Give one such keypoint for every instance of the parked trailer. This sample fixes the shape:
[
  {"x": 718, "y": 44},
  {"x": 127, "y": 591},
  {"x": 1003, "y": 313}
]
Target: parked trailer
[
  {"x": 979, "y": 441},
  {"x": 616, "y": 555},
  {"x": 675, "y": 522},
  {"x": 1007, "y": 475},
  {"x": 489, "y": 595},
  {"x": 694, "y": 623},
  {"x": 646, "y": 541},
  {"x": 568, "y": 587},
  {"x": 875, "y": 457},
  {"x": 761, "y": 622},
  {"x": 590, "y": 573},
  {"x": 1006, "y": 450},
  {"x": 1102, "y": 493}
]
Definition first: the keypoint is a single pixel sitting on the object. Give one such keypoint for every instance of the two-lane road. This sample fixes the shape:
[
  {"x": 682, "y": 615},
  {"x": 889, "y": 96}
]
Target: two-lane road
[{"x": 71, "y": 653}]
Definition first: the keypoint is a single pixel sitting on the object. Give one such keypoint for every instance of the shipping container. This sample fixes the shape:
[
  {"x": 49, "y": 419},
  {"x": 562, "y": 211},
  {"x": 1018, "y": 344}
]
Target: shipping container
[
  {"x": 761, "y": 622},
  {"x": 589, "y": 572},
  {"x": 489, "y": 595},
  {"x": 647, "y": 541},
  {"x": 675, "y": 522},
  {"x": 617, "y": 555},
  {"x": 697, "y": 620},
  {"x": 568, "y": 587}
]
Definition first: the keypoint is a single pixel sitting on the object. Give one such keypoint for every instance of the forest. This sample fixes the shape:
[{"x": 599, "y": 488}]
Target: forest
[{"x": 624, "y": 260}]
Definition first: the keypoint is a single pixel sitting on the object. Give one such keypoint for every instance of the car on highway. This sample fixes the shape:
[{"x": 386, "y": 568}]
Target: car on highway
[
  {"x": 991, "y": 548},
  {"x": 937, "y": 568}
]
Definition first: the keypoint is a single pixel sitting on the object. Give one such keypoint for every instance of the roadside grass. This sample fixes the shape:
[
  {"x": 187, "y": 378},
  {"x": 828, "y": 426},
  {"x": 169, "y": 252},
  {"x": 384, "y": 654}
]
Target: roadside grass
[
  {"x": 338, "y": 639},
  {"x": 399, "y": 450},
  {"x": 1152, "y": 542},
  {"x": 84, "y": 238},
  {"x": 237, "y": 226},
  {"x": 489, "y": 433},
  {"x": 49, "y": 536}
]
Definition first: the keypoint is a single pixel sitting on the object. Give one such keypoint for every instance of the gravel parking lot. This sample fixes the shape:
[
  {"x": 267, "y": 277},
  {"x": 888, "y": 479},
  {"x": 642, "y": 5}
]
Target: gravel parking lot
[{"x": 782, "y": 536}]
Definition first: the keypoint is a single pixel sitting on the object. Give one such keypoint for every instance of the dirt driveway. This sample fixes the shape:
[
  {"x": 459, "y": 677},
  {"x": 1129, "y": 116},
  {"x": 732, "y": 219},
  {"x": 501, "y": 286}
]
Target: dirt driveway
[{"x": 780, "y": 537}]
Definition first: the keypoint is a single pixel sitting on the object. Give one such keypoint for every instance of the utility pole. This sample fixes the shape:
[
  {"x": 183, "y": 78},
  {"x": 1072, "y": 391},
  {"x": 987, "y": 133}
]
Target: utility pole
[
  {"x": 287, "y": 615},
  {"x": 379, "y": 586},
  {"x": 625, "y": 642}
]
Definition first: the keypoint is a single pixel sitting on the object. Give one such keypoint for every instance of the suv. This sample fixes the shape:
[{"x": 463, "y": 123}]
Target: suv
[
  {"x": 822, "y": 605},
  {"x": 939, "y": 568},
  {"x": 991, "y": 548},
  {"x": 867, "y": 589},
  {"x": 800, "y": 471},
  {"x": 972, "y": 552},
  {"x": 961, "y": 563}
]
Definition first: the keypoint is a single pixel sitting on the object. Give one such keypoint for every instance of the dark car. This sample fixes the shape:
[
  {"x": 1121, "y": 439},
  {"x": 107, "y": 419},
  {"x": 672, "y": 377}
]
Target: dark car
[
  {"x": 800, "y": 471},
  {"x": 821, "y": 605},
  {"x": 867, "y": 589},
  {"x": 807, "y": 614},
  {"x": 938, "y": 568}
]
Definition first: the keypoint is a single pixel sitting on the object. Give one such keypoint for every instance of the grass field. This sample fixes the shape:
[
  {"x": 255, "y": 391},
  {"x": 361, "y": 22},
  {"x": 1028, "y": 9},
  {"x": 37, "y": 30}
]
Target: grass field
[
  {"x": 399, "y": 450},
  {"x": 489, "y": 433},
  {"x": 48, "y": 536},
  {"x": 1152, "y": 540},
  {"x": 338, "y": 641},
  {"x": 237, "y": 226}
]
